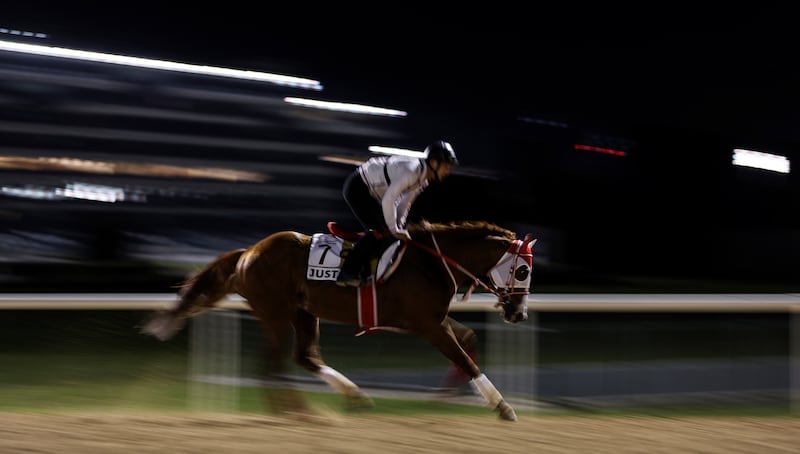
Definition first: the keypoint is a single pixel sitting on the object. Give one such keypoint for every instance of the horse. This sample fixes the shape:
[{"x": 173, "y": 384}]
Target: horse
[{"x": 272, "y": 277}]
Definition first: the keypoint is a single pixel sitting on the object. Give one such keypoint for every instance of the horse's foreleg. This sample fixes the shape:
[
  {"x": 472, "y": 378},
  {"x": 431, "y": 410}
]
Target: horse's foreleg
[
  {"x": 492, "y": 396},
  {"x": 308, "y": 356},
  {"x": 445, "y": 341},
  {"x": 455, "y": 377}
]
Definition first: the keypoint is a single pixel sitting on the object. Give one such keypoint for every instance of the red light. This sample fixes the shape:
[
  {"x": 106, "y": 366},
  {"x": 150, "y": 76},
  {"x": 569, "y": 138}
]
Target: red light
[{"x": 610, "y": 151}]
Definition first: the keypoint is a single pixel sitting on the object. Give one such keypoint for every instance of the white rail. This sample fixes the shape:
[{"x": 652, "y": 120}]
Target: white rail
[{"x": 616, "y": 302}]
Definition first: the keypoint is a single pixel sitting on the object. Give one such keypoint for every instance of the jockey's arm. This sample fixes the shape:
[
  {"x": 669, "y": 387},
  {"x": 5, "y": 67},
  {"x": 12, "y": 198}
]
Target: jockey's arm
[{"x": 391, "y": 203}]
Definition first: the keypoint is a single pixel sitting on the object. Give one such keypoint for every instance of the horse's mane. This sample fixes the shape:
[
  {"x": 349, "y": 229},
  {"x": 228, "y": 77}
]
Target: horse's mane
[{"x": 468, "y": 228}]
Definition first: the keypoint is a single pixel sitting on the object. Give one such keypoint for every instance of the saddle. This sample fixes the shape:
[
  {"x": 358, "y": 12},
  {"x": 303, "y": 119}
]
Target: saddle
[
  {"x": 325, "y": 258},
  {"x": 343, "y": 233}
]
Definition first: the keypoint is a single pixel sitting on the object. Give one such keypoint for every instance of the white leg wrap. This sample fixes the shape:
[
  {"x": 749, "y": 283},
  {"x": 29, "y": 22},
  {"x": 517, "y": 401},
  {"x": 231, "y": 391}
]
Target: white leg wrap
[
  {"x": 485, "y": 388},
  {"x": 337, "y": 381}
]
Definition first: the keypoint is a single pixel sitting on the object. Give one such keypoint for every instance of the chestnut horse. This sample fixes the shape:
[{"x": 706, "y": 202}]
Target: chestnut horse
[{"x": 271, "y": 276}]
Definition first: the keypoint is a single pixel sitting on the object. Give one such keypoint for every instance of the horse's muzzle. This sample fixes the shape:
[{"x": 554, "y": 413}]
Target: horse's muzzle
[
  {"x": 511, "y": 314},
  {"x": 515, "y": 309}
]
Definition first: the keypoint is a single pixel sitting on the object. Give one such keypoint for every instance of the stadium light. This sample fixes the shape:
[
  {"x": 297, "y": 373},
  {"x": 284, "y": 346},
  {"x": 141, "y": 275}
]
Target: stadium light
[
  {"x": 344, "y": 107},
  {"x": 396, "y": 151},
  {"x": 760, "y": 160},
  {"x": 291, "y": 81},
  {"x": 25, "y": 33}
]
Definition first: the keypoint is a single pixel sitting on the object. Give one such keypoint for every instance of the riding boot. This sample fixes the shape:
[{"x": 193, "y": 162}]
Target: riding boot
[{"x": 355, "y": 271}]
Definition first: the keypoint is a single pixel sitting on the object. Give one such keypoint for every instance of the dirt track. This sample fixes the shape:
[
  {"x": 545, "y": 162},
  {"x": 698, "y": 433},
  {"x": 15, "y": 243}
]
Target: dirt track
[{"x": 343, "y": 433}]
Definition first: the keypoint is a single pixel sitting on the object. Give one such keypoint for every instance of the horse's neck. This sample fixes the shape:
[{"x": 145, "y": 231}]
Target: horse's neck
[{"x": 477, "y": 256}]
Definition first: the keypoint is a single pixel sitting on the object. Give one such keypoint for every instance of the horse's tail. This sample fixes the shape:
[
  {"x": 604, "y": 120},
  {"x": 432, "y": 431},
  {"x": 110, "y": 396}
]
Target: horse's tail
[{"x": 197, "y": 294}]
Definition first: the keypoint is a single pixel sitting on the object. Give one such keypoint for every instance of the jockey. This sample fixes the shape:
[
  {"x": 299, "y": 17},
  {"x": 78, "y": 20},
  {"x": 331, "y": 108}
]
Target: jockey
[{"x": 380, "y": 193}]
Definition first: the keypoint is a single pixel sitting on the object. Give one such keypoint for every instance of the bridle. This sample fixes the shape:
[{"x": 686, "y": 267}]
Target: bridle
[{"x": 517, "y": 251}]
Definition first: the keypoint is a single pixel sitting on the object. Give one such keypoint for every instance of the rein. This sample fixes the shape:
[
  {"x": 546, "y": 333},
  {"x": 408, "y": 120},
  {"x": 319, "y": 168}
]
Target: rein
[{"x": 476, "y": 281}]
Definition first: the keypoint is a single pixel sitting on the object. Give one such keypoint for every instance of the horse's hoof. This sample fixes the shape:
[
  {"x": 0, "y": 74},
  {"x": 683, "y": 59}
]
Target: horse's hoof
[
  {"x": 506, "y": 412},
  {"x": 286, "y": 401},
  {"x": 359, "y": 402}
]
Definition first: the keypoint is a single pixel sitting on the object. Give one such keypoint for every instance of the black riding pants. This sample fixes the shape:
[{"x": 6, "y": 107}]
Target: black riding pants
[
  {"x": 366, "y": 209},
  {"x": 370, "y": 214}
]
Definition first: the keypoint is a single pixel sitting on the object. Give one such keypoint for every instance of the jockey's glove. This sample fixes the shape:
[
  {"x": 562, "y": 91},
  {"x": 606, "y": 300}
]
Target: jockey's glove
[{"x": 401, "y": 234}]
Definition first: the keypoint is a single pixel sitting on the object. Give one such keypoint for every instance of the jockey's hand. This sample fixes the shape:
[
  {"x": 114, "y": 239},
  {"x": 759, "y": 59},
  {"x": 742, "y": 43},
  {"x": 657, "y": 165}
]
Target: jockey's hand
[{"x": 401, "y": 234}]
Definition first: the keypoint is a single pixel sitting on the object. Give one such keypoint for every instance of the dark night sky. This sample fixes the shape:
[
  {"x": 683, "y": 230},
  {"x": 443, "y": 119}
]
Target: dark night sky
[{"x": 720, "y": 69}]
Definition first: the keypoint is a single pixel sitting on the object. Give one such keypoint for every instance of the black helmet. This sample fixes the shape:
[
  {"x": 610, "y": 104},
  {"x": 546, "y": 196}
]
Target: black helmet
[{"x": 442, "y": 152}]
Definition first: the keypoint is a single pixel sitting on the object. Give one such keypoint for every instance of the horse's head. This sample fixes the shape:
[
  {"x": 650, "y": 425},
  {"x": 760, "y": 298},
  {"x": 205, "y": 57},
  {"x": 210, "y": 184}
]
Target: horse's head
[
  {"x": 493, "y": 253},
  {"x": 511, "y": 279}
]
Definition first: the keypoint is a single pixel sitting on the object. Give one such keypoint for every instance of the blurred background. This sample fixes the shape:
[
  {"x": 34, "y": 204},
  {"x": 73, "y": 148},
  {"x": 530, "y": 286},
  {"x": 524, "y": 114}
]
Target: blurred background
[
  {"x": 610, "y": 137},
  {"x": 651, "y": 150},
  {"x": 610, "y": 134}
]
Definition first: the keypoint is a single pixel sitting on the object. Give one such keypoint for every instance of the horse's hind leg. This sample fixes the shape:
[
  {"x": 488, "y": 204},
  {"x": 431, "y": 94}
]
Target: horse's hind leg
[
  {"x": 283, "y": 398},
  {"x": 307, "y": 355},
  {"x": 442, "y": 337}
]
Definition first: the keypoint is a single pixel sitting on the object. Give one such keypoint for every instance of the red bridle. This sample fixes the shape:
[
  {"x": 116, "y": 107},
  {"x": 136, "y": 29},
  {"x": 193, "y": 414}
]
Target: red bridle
[{"x": 517, "y": 248}]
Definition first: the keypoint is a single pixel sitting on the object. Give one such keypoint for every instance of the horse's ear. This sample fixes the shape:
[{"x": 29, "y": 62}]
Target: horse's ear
[{"x": 529, "y": 241}]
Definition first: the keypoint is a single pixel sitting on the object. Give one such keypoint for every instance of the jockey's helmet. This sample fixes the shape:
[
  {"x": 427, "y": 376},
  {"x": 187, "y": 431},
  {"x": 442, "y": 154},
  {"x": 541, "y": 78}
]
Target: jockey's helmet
[{"x": 441, "y": 151}]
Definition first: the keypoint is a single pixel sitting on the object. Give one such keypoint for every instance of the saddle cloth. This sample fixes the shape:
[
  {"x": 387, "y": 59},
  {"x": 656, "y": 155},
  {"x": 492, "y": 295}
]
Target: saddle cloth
[{"x": 325, "y": 258}]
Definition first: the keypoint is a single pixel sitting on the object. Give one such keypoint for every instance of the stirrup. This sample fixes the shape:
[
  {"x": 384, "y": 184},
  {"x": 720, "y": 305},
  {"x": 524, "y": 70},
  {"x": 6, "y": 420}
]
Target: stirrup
[
  {"x": 349, "y": 279},
  {"x": 350, "y": 282}
]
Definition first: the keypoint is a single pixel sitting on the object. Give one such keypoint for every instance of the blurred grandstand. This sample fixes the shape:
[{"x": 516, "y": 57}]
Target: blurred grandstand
[{"x": 120, "y": 178}]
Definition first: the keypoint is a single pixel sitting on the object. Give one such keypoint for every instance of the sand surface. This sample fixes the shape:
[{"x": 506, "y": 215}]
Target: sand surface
[{"x": 89, "y": 433}]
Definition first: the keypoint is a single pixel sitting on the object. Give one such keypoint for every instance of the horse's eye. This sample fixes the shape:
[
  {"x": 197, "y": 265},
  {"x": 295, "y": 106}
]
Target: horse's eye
[{"x": 521, "y": 273}]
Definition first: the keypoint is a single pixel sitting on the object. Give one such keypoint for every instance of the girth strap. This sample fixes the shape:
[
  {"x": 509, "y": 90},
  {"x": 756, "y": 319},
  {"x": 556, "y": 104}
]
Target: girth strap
[{"x": 386, "y": 174}]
